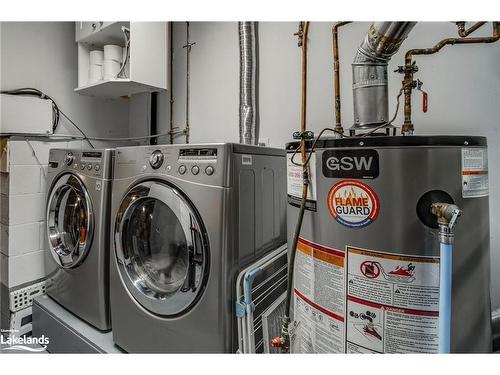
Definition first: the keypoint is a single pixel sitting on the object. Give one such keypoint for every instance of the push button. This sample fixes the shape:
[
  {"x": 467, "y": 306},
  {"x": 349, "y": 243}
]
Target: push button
[
  {"x": 182, "y": 169},
  {"x": 195, "y": 170},
  {"x": 209, "y": 170},
  {"x": 89, "y": 166},
  {"x": 82, "y": 166},
  {"x": 97, "y": 167}
]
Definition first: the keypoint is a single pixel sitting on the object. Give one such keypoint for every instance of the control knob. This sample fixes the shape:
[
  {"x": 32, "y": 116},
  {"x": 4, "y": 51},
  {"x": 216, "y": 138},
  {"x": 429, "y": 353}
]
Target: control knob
[
  {"x": 68, "y": 159},
  {"x": 156, "y": 159}
]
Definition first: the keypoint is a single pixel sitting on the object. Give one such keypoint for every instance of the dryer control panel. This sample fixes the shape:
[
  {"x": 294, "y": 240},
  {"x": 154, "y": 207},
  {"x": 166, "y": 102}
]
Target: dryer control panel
[{"x": 193, "y": 163}]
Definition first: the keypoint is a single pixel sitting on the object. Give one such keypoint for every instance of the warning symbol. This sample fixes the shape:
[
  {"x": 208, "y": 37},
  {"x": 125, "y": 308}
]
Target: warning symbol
[
  {"x": 370, "y": 269},
  {"x": 397, "y": 291}
]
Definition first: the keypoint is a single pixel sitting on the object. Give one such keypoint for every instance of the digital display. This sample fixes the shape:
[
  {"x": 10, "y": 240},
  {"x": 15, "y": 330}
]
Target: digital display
[
  {"x": 92, "y": 154},
  {"x": 193, "y": 152}
]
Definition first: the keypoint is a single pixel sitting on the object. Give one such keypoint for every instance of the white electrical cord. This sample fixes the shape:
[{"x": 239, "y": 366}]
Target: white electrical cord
[{"x": 127, "y": 51}]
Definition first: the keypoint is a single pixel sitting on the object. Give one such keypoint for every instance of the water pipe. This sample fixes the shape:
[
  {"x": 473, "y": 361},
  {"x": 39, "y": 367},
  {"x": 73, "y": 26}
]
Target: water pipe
[{"x": 447, "y": 215}]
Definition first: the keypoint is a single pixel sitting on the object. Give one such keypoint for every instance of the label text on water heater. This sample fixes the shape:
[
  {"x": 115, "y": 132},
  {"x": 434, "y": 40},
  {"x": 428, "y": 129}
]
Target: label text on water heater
[{"x": 359, "y": 164}]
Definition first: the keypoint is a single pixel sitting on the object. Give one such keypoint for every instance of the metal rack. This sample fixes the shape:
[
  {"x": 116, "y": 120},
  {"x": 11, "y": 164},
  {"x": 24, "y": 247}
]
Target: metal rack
[{"x": 259, "y": 300}]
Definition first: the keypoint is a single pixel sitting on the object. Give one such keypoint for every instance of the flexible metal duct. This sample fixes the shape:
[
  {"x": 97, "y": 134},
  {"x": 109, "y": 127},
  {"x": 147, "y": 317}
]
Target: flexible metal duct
[
  {"x": 369, "y": 69},
  {"x": 248, "y": 78}
]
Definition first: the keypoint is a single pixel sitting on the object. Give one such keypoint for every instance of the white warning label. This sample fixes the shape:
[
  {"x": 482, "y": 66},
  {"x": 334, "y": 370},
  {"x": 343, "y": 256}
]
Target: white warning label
[
  {"x": 474, "y": 172},
  {"x": 392, "y": 303},
  {"x": 294, "y": 177},
  {"x": 319, "y": 303}
]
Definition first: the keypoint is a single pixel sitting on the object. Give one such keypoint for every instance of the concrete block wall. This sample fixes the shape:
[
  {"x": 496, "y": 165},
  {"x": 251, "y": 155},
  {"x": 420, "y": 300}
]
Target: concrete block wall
[{"x": 22, "y": 216}]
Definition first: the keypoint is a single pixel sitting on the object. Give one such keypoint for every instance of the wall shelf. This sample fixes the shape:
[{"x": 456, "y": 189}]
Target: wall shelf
[
  {"x": 147, "y": 66},
  {"x": 115, "y": 88}
]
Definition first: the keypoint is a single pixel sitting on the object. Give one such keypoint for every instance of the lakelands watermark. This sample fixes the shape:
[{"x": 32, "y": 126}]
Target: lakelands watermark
[{"x": 23, "y": 343}]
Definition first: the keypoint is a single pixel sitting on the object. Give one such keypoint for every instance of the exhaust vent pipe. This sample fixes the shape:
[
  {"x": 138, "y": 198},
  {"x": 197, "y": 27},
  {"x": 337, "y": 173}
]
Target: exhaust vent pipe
[
  {"x": 369, "y": 70},
  {"x": 248, "y": 80}
]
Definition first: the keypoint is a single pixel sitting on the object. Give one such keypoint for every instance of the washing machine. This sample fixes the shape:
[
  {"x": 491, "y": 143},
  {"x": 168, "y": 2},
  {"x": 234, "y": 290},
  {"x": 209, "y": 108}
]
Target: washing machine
[
  {"x": 186, "y": 219},
  {"x": 78, "y": 230}
]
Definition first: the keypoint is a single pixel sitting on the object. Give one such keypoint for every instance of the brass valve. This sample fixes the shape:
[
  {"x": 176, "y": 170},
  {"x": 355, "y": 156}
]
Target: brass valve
[{"x": 447, "y": 214}]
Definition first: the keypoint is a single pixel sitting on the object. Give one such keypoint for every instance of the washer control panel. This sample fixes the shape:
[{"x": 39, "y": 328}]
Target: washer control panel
[{"x": 84, "y": 162}]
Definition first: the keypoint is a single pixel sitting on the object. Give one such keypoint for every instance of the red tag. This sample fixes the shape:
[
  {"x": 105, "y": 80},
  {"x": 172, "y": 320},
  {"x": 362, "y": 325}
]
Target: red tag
[{"x": 424, "y": 101}]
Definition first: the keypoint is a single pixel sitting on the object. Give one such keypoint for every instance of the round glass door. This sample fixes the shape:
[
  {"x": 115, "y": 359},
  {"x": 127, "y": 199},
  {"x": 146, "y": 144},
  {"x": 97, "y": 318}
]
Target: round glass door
[
  {"x": 161, "y": 248},
  {"x": 70, "y": 222}
]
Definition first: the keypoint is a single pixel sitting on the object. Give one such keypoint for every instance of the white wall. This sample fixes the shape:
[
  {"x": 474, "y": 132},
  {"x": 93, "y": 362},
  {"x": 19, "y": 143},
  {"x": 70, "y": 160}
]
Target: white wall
[
  {"x": 43, "y": 55},
  {"x": 463, "y": 83}
]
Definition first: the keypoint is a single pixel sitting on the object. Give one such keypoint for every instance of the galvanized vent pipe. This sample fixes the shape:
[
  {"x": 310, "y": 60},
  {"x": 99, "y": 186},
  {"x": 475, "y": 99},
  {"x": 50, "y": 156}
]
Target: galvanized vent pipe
[
  {"x": 248, "y": 81},
  {"x": 369, "y": 70}
]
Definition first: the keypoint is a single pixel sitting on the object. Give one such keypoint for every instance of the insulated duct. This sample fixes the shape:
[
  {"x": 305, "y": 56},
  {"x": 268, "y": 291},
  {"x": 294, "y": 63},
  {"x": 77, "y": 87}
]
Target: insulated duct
[
  {"x": 369, "y": 70},
  {"x": 248, "y": 80}
]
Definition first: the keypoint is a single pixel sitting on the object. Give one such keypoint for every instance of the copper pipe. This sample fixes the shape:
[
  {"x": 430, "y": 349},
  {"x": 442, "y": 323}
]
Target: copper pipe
[
  {"x": 303, "y": 114},
  {"x": 463, "y": 32},
  {"x": 409, "y": 84},
  {"x": 284, "y": 339},
  {"x": 336, "y": 78}
]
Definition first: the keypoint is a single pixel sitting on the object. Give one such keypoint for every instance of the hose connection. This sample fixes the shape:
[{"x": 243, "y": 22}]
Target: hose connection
[{"x": 447, "y": 215}]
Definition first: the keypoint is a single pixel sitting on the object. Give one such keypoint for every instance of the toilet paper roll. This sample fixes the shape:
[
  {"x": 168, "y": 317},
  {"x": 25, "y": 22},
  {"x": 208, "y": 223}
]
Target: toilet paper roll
[
  {"x": 96, "y": 57},
  {"x": 113, "y": 52},
  {"x": 110, "y": 68},
  {"x": 95, "y": 73}
]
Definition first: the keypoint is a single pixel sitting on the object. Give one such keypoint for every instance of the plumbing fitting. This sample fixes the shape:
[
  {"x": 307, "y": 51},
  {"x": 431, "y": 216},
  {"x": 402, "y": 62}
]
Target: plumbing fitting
[
  {"x": 447, "y": 215},
  {"x": 409, "y": 68},
  {"x": 463, "y": 32},
  {"x": 336, "y": 79}
]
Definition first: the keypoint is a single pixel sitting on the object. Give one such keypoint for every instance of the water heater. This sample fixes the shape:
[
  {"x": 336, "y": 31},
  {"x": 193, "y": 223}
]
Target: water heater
[{"x": 367, "y": 264}]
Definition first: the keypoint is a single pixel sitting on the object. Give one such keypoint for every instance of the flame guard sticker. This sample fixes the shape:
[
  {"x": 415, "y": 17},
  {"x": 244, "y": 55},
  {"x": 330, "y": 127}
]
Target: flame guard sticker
[{"x": 353, "y": 203}]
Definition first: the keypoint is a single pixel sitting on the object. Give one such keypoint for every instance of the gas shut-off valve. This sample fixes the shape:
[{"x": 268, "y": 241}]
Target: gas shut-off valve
[{"x": 409, "y": 83}]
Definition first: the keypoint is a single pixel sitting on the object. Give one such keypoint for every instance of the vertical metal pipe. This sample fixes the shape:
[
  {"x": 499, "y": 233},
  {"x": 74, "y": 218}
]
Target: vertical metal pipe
[
  {"x": 284, "y": 340},
  {"x": 248, "y": 79},
  {"x": 170, "y": 82},
  {"x": 188, "y": 82},
  {"x": 336, "y": 76}
]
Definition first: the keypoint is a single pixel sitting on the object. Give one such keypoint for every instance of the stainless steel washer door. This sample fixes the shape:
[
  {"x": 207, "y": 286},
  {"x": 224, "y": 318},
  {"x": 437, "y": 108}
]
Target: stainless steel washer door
[
  {"x": 161, "y": 248},
  {"x": 70, "y": 221}
]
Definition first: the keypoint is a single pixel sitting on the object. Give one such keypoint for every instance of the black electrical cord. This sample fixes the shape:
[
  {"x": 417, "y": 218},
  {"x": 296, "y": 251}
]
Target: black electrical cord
[
  {"x": 313, "y": 147},
  {"x": 80, "y": 130},
  {"x": 30, "y": 91}
]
